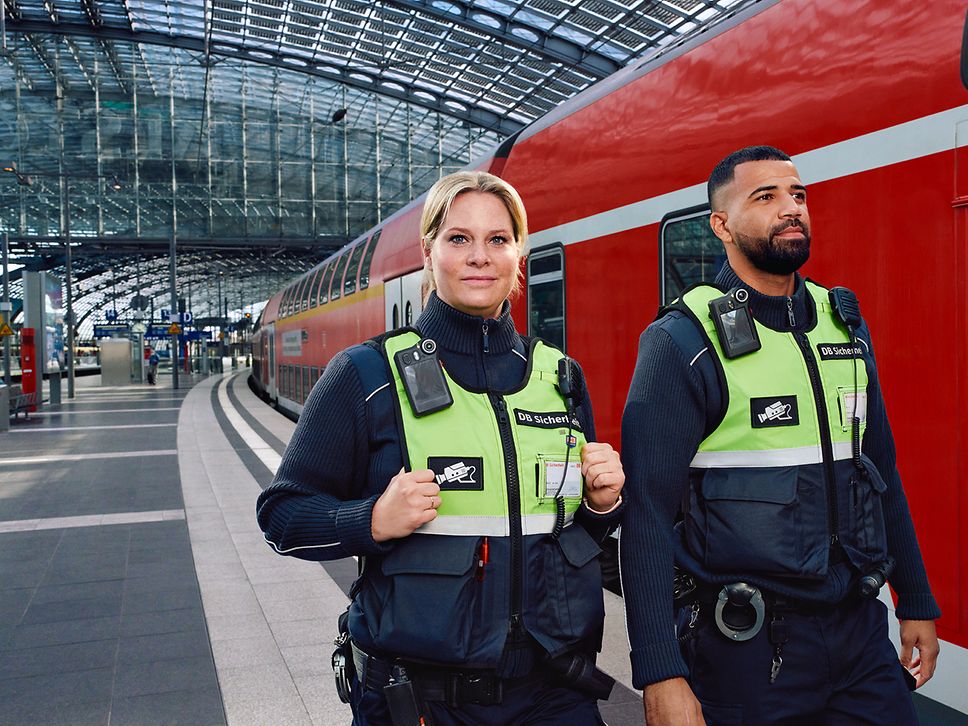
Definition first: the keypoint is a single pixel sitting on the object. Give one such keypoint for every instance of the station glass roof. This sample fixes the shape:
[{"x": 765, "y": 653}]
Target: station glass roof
[{"x": 251, "y": 128}]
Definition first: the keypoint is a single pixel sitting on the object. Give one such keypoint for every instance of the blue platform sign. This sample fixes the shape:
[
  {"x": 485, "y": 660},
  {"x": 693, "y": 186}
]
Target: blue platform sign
[{"x": 110, "y": 331}]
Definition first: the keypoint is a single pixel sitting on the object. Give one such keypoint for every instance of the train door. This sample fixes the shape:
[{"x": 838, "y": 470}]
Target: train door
[
  {"x": 402, "y": 299},
  {"x": 271, "y": 378}
]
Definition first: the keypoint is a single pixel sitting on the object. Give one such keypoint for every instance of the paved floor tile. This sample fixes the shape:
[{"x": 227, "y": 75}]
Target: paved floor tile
[
  {"x": 97, "y": 654},
  {"x": 163, "y": 621},
  {"x": 179, "y": 674},
  {"x": 201, "y": 707}
]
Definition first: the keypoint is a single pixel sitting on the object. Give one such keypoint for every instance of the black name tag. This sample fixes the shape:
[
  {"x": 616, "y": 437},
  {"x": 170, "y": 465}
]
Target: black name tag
[
  {"x": 839, "y": 351},
  {"x": 549, "y": 420},
  {"x": 774, "y": 411},
  {"x": 458, "y": 473}
]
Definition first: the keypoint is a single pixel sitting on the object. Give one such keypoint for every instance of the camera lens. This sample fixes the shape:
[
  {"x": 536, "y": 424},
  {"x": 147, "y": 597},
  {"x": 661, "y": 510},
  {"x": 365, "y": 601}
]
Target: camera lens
[
  {"x": 428, "y": 346},
  {"x": 407, "y": 359},
  {"x": 741, "y": 295}
]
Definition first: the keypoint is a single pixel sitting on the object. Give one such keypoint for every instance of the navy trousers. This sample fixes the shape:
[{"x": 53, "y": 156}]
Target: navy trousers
[
  {"x": 544, "y": 703},
  {"x": 838, "y": 668}
]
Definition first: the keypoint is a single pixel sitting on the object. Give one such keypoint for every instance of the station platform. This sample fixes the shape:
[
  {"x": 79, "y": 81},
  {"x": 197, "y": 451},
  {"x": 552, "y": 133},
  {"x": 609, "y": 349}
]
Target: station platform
[{"x": 136, "y": 587}]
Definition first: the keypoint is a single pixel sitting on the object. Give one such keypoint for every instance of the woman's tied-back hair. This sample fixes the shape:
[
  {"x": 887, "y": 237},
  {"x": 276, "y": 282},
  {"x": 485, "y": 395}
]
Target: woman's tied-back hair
[{"x": 442, "y": 195}]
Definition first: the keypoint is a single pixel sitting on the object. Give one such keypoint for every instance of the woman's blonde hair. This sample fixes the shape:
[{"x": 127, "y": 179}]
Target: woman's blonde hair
[{"x": 442, "y": 195}]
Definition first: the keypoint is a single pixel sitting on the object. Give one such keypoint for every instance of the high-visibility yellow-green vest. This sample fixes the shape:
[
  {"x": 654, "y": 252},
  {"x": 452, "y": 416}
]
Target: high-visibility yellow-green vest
[
  {"x": 774, "y": 485},
  {"x": 487, "y": 567},
  {"x": 489, "y": 450}
]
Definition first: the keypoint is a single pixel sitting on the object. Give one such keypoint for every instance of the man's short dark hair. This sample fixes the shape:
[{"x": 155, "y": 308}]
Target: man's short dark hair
[{"x": 725, "y": 170}]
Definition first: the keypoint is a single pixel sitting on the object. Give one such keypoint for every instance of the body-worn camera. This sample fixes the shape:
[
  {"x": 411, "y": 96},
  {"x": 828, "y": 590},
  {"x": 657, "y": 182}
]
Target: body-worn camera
[
  {"x": 423, "y": 378},
  {"x": 734, "y": 323}
]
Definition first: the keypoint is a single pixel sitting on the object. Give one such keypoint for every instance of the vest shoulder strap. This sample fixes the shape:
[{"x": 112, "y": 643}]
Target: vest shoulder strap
[
  {"x": 845, "y": 297},
  {"x": 706, "y": 289},
  {"x": 370, "y": 364},
  {"x": 693, "y": 340}
]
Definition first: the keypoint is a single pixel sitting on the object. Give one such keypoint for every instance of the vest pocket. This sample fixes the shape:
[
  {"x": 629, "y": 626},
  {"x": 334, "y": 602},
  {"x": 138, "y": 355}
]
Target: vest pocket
[
  {"x": 765, "y": 521},
  {"x": 565, "y": 582},
  {"x": 433, "y": 599},
  {"x": 867, "y": 532}
]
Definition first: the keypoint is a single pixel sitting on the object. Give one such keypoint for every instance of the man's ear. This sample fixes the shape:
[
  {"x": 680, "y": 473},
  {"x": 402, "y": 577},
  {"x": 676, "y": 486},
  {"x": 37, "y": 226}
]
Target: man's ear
[{"x": 717, "y": 222}]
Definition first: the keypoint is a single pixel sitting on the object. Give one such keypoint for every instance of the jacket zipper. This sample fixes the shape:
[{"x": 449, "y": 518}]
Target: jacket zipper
[
  {"x": 825, "y": 440},
  {"x": 514, "y": 506}
]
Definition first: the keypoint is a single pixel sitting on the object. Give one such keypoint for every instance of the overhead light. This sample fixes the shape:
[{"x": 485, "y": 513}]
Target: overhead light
[
  {"x": 115, "y": 184},
  {"x": 22, "y": 179},
  {"x": 339, "y": 115}
]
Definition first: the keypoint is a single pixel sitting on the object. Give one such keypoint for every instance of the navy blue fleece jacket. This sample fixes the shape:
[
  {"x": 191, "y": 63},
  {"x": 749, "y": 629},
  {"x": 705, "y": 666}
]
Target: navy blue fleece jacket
[
  {"x": 667, "y": 415},
  {"x": 315, "y": 507}
]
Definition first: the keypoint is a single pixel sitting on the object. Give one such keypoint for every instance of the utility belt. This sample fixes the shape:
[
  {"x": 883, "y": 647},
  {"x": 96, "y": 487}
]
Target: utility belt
[
  {"x": 741, "y": 610},
  {"x": 406, "y": 685}
]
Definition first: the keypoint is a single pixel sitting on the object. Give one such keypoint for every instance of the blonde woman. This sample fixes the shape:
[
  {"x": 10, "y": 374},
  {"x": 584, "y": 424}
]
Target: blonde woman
[{"x": 458, "y": 458}]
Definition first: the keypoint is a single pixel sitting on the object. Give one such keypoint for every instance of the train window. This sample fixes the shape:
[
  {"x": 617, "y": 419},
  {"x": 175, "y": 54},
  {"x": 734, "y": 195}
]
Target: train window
[
  {"x": 315, "y": 375},
  {"x": 307, "y": 383},
  {"x": 307, "y": 292},
  {"x": 349, "y": 287},
  {"x": 322, "y": 294},
  {"x": 290, "y": 307},
  {"x": 396, "y": 317},
  {"x": 964, "y": 55},
  {"x": 689, "y": 251},
  {"x": 313, "y": 288},
  {"x": 299, "y": 299},
  {"x": 546, "y": 295},
  {"x": 408, "y": 316},
  {"x": 284, "y": 303},
  {"x": 327, "y": 283},
  {"x": 336, "y": 287},
  {"x": 367, "y": 259}
]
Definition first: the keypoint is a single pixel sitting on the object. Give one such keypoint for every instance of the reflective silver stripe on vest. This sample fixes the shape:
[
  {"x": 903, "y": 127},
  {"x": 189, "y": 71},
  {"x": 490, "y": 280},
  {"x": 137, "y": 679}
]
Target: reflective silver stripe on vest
[
  {"x": 799, "y": 456},
  {"x": 485, "y": 526}
]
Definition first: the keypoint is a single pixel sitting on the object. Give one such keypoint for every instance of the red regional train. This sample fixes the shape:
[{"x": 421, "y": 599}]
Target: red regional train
[{"x": 867, "y": 96}]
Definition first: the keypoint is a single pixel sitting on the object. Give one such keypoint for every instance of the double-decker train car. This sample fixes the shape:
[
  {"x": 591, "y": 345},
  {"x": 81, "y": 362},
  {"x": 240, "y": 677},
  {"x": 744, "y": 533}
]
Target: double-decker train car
[{"x": 867, "y": 97}]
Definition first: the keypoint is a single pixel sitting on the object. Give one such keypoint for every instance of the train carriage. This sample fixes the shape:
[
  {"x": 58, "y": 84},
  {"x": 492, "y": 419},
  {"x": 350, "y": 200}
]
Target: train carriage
[{"x": 866, "y": 96}]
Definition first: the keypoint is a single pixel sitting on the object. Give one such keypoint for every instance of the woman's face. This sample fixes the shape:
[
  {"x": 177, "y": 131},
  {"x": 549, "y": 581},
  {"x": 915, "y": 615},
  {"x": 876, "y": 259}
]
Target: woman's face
[{"x": 474, "y": 256}]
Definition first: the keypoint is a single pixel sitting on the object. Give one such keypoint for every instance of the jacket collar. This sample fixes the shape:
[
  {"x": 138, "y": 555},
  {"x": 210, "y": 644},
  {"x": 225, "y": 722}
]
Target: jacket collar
[
  {"x": 463, "y": 333},
  {"x": 774, "y": 311}
]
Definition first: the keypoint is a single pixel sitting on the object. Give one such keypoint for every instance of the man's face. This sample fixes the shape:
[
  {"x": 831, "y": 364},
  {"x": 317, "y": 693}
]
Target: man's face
[{"x": 763, "y": 211}]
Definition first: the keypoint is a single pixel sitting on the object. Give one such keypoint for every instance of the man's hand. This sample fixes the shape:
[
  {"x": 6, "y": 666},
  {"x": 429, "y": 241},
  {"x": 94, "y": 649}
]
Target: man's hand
[
  {"x": 920, "y": 635},
  {"x": 410, "y": 501},
  {"x": 604, "y": 476},
  {"x": 671, "y": 703}
]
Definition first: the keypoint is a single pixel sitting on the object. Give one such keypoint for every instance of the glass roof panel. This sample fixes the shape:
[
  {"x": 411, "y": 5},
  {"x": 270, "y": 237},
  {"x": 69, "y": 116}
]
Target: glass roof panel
[{"x": 294, "y": 125}]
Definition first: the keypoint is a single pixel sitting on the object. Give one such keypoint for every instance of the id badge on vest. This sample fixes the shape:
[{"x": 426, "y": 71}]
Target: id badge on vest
[
  {"x": 550, "y": 470},
  {"x": 852, "y": 403}
]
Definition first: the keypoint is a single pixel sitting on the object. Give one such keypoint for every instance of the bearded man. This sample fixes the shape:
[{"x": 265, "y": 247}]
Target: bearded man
[{"x": 764, "y": 505}]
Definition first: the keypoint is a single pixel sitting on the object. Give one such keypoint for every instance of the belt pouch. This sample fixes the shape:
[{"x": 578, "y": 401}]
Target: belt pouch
[{"x": 402, "y": 702}]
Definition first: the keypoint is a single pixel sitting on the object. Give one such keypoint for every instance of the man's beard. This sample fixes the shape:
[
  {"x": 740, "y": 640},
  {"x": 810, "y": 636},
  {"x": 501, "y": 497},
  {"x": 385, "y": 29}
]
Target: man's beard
[{"x": 778, "y": 257}]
